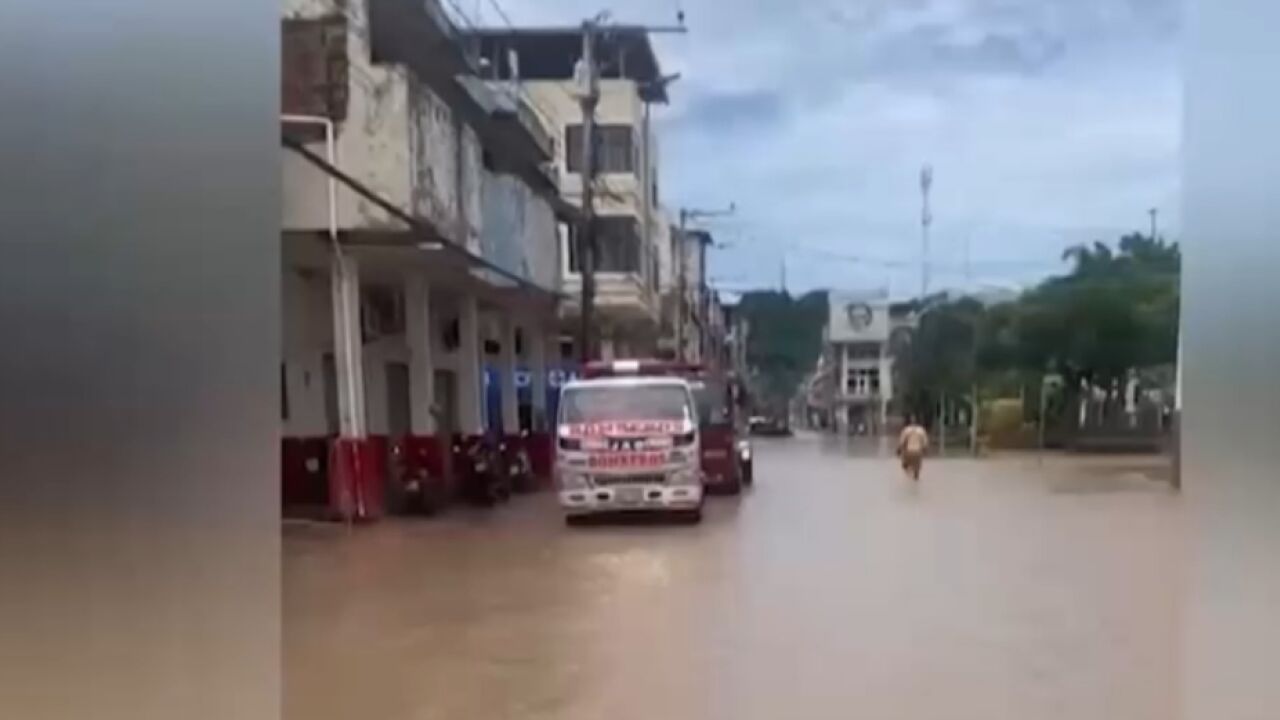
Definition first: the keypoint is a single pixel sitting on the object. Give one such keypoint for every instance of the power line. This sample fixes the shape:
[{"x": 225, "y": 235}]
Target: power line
[
  {"x": 501, "y": 13},
  {"x": 462, "y": 14},
  {"x": 904, "y": 263}
]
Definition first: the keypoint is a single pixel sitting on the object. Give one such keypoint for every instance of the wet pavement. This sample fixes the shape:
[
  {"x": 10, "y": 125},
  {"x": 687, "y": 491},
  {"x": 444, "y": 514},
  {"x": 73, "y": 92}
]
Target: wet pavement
[{"x": 998, "y": 588}]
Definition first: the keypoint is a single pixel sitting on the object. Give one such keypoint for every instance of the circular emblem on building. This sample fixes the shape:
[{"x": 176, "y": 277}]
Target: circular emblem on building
[{"x": 859, "y": 315}]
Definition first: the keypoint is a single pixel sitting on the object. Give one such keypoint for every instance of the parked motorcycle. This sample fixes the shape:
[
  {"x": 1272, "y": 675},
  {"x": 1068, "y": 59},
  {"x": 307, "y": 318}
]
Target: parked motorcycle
[
  {"x": 480, "y": 467},
  {"x": 517, "y": 464},
  {"x": 419, "y": 492}
]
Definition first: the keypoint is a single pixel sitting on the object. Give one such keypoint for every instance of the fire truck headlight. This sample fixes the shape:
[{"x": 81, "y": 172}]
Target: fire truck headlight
[
  {"x": 679, "y": 457},
  {"x": 687, "y": 477}
]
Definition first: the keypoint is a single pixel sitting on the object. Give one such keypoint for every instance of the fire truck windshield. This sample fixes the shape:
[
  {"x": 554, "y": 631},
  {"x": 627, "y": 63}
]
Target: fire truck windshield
[{"x": 588, "y": 403}]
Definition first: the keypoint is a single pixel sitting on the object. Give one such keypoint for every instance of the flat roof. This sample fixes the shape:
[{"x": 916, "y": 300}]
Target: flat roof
[{"x": 550, "y": 53}]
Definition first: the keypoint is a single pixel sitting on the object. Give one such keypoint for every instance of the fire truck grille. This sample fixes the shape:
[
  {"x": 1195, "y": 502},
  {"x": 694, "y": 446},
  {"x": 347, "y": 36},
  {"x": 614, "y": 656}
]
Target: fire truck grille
[{"x": 650, "y": 479}]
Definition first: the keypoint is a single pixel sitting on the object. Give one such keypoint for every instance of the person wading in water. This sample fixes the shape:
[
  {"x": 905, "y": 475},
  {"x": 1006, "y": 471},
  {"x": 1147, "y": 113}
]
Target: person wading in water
[{"x": 912, "y": 445}]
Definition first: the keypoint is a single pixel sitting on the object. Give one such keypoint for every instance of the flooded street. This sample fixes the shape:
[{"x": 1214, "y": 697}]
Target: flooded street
[{"x": 996, "y": 589}]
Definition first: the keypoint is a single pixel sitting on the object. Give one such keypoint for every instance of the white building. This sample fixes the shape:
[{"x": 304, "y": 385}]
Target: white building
[
  {"x": 857, "y": 340},
  {"x": 420, "y": 245},
  {"x": 542, "y": 61}
]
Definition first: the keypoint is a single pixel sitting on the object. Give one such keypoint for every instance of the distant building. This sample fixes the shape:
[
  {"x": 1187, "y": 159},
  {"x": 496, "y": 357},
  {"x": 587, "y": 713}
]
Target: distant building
[{"x": 864, "y": 330}]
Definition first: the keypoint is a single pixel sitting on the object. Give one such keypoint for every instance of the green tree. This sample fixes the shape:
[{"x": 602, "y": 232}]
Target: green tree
[
  {"x": 1116, "y": 310},
  {"x": 1112, "y": 313},
  {"x": 784, "y": 341},
  {"x": 944, "y": 354}
]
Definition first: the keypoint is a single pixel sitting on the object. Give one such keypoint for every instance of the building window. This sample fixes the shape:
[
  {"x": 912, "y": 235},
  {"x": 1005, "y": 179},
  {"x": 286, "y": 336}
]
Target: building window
[
  {"x": 381, "y": 311},
  {"x": 617, "y": 245},
  {"x": 864, "y": 382},
  {"x": 451, "y": 334},
  {"x": 615, "y": 149}
]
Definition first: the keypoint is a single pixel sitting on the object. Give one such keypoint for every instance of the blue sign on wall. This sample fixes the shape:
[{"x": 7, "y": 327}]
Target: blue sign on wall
[{"x": 524, "y": 389}]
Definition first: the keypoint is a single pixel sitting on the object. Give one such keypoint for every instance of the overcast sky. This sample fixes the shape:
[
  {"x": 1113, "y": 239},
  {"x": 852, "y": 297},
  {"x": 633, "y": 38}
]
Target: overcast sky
[{"x": 1047, "y": 122}]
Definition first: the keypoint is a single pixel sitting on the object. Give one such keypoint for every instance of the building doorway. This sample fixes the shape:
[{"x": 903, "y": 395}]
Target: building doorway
[
  {"x": 399, "y": 410},
  {"x": 446, "y": 391},
  {"x": 330, "y": 371}
]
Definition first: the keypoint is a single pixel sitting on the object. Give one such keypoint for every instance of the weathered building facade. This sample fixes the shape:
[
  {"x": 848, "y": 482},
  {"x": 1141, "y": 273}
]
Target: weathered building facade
[
  {"x": 543, "y": 62},
  {"x": 420, "y": 245}
]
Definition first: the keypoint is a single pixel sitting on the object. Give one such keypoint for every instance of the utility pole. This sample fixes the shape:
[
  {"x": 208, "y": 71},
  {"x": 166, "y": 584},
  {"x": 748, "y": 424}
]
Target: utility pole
[
  {"x": 1154, "y": 212},
  {"x": 586, "y": 234},
  {"x": 680, "y": 285},
  {"x": 926, "y": 219},
  {"x": 682, "y": 302},
  {"x": 1177, "y": 418},
  {"x": 974, "y": 404},
  {"x": 942, "y": 423},
  {"x": 589, "y": 100}
]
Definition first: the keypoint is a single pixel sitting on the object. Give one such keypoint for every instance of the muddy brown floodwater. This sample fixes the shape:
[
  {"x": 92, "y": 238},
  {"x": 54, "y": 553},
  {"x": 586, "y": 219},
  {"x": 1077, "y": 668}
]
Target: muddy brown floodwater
[{"x": 997, "y": 589}]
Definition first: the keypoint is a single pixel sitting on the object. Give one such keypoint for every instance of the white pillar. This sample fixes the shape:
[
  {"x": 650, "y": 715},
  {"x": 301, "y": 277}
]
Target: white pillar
[
  {"x": 348, "y": 346},
  {"x": 470, "y": 385},
  {"x": 507, "y": 377},
  {"x": 418, "y": 332},
  {"x": 843, "y": 387},
  {"x": 886, "y": 375},
  {"x": 537, "y": 343}
]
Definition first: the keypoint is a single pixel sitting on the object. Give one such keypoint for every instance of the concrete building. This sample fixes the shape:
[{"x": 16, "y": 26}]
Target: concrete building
[
  {"x": 858, "y": 355},
  {"x": 544, "y": 61},
  {"x": 715, "y": 330},
  {"x": 692, "y": 325},
  {"x": 420, "y": 243},
  {"x": 692, "y": 278},
  {"x": 737, "y": 337}
]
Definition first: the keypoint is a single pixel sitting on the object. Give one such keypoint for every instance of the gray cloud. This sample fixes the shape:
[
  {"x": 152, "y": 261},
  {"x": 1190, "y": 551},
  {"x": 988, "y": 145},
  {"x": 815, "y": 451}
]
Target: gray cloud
[
  {"x": 1050, "y": 122},
  {"x": 734, "y": 112},
  {"x": 933, "y": 50}
]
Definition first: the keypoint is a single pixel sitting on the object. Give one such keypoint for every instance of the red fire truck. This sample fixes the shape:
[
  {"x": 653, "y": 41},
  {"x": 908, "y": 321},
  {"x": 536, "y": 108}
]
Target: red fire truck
[{"x": 726, "y": 450}]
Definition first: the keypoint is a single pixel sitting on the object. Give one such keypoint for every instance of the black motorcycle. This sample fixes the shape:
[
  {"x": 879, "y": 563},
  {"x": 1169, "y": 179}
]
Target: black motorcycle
[
  {"x": 418, "y": 491},
  {"x": 516, "y": 463},
  {"x": 483, "y": 481}
]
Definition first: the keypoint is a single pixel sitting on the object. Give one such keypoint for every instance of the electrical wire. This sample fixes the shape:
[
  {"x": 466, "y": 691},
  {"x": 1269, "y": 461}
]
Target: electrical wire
[
  {"x": 907, "y": 263},
  {"x": 501, "y": 13}
]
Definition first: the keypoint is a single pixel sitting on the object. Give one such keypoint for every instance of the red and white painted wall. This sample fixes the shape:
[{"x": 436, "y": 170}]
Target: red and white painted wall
[{"x": 383, "y": 338}]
